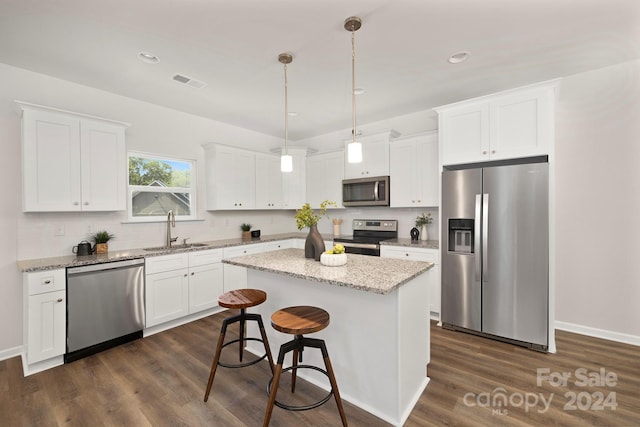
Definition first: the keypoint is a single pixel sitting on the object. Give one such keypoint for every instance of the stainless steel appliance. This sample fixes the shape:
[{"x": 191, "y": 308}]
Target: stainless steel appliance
[
  {"x": 373, "y": 191},
  {"x": 367, "y": 235},
  {"x": 105, "y": 306},
  {"x": 495, "y": 251}
]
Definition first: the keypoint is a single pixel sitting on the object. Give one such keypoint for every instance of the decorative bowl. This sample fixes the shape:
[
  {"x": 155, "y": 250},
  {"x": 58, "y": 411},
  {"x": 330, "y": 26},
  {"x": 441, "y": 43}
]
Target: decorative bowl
[{"x": 333, "y": 260}]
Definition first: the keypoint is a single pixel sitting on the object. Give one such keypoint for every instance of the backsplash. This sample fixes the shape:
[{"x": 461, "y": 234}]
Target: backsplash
[{"x": 42, "y": 235}]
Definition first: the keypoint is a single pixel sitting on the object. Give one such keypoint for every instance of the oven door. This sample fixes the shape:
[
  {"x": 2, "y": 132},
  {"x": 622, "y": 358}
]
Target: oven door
[{"x": 361, "y": 248}]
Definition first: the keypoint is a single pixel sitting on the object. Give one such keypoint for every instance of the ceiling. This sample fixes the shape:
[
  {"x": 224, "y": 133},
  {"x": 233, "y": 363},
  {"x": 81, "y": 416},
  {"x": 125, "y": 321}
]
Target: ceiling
[{"x": 233, "y": 46}]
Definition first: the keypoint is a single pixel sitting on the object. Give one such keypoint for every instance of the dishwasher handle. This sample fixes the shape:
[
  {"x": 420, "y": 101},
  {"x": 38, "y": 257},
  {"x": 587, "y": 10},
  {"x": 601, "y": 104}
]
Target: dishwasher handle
[{"x": 105, "y": 266}]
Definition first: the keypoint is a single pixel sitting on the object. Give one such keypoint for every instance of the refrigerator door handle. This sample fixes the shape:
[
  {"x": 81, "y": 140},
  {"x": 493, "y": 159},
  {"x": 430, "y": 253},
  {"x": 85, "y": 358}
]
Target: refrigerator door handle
[
  {"x": 476, "y": 243},
  {"x": 485, "y": 237}
]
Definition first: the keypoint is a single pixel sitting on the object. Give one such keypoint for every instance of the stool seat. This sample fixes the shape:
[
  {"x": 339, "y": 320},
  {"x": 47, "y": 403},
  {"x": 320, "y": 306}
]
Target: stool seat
[
  {"x": 242, "y": 298},
  {"x": 300, "y": 320}
]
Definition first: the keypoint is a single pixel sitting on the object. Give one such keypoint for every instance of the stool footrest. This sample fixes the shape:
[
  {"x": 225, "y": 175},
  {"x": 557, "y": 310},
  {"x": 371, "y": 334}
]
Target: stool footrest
[
  {"x": 302, "y": 407},
  {"x": 242, "y": 365}
]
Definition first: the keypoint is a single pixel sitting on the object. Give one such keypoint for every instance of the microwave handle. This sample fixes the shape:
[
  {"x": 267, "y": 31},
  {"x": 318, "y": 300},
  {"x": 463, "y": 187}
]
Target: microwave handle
[{"x": 375, "y": 191}]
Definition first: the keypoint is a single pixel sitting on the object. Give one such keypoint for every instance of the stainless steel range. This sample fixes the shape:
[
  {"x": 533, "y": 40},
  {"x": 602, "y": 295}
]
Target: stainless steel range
[{"x": 367, "y": 235}]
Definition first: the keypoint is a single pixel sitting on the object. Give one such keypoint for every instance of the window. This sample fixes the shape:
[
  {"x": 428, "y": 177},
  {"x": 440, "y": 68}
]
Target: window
[{"x": 160, "y": 184}]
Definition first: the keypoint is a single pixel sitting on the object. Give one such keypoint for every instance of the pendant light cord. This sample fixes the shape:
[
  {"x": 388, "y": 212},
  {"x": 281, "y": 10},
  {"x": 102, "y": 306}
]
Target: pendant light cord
[
  {"x": 353, "y": 80},
  {"x": 286, "y": 111}
]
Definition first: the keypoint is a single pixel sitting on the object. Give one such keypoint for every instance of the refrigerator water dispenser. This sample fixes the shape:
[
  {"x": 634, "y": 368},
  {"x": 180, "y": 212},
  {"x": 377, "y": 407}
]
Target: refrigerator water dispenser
[{"x": 461, "y": 235}]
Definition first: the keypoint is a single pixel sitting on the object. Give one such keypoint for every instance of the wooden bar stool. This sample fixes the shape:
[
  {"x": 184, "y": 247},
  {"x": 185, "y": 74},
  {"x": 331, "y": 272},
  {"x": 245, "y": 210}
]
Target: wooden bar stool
[
  {"x": 240, "y": 299},
  {"x": 300, "y": 320}
]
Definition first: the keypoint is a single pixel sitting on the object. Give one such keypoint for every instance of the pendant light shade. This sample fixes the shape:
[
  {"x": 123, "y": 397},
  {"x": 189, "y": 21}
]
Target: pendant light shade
[
  {"x": 354, "y": 148},
  {"x": 286, "y": 161}
]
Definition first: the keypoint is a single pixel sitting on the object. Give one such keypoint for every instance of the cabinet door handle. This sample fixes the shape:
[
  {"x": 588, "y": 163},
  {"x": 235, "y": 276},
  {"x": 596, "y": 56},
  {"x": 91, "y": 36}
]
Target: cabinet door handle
[
  {"x": 484, "y": 152},
  {"x": 86, "y": 203},
  {"x": 59, "y": 299},
  {"x": 192, "y": 273},
  {"x": 76, "y": 203},
  {"x": 493, "y": 151},
  {"x": 185, "y": 275},
  {"x": 47, "y": 282}
]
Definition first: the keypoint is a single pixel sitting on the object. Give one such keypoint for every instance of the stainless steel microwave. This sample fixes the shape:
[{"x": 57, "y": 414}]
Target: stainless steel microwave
[{"x": 373, "y": 191}]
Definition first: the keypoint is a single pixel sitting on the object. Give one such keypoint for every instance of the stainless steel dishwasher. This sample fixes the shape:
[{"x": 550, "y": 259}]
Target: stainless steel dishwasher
[{"x": 105, "y": 306}]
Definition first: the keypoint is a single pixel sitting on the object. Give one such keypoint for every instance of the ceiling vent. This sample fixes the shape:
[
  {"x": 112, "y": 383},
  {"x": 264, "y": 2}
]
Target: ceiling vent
[{"x": 189, "y": 81}]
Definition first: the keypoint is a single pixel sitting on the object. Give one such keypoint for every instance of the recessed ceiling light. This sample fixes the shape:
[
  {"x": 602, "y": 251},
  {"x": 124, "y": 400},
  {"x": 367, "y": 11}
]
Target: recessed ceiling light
[
  {"x": 458, "y": 57},
  {"x": 149, "y": 58},
  {"x": 358, "y": 91}
]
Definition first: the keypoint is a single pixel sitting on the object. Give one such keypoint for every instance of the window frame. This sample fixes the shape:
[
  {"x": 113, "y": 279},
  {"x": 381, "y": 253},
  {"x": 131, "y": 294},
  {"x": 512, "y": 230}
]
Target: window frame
[{"x": 131, "y": 189}]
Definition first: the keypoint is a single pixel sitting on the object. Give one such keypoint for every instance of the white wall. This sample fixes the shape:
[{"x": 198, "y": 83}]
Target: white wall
[
  {"x": 597, "y": 189},
  {"x": 153, "y": 129},
  {"x": 598, "y": 200}
]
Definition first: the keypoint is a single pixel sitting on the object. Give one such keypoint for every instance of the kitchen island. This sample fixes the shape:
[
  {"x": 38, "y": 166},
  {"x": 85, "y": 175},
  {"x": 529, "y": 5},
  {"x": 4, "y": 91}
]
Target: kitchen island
[{"x": 378, "y": 339}]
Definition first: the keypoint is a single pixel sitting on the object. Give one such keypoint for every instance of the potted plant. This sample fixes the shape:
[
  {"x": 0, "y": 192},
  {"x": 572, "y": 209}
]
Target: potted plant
[
  {"x": 246, "y": 231},
  {"x": 100, "y": 240},
  {"x": 421, "y": 221},
  {"x": 308, "y": 218}
]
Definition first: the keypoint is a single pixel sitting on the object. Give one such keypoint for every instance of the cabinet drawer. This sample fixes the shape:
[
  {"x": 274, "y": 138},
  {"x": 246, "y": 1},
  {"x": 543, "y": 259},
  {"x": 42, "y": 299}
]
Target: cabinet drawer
[
  {"x": 242, "y": 250},
  {"x": 412, "y": 254},
  {"x": 161, "y": 263},
  {"x": 205, "y": 257},
  {"x": 45, "y": 281}
]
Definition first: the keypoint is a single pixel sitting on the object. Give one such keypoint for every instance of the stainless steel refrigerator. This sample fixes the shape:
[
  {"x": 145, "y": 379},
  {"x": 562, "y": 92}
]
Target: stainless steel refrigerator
[{"x": 495, "y": 252}]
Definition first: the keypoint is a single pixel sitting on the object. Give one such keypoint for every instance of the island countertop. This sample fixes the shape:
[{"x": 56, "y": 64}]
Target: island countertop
[{"x": 362, "y": 272}]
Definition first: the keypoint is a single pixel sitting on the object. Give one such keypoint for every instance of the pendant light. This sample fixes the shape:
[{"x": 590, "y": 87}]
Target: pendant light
[
  {"x": 286, "y": 161},
  {"x": 354, "y": 148}
]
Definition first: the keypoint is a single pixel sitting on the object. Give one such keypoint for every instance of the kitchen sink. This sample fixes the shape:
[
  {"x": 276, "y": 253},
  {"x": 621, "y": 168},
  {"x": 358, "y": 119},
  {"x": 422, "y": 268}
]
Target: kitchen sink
[{"x": 175, "y": 247}]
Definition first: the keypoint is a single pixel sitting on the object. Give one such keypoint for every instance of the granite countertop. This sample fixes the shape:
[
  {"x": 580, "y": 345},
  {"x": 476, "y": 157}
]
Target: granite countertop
[
  {"x": 362, "y": 272},
  {"x": 422, "y": 244},
  {"x": 52, "y": 263}
]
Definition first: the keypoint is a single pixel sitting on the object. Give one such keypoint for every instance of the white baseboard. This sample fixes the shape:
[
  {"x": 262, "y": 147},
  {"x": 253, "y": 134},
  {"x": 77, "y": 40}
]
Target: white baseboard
[
  {"x": 599, "y": 333},
  {"x": 11, "y": 352}
]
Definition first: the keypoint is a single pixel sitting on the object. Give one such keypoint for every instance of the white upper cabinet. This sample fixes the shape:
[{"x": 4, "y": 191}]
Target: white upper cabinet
[
  {"x": 269, "y": 194},
  {"x": 239, "y": 179},
  {"x": 375, "y": 156},
  {"x": 324, "y": 178},
  {"x": 71, "y": 162},
  {"x": 231, "y": 174},
  {"x": 513, "y": 124},
  {"x": 414, "y": 171}
]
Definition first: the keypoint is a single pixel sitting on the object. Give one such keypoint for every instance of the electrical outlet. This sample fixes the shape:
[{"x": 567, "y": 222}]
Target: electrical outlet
[
  {"x": 88, "y": 229},
  {"x": 60, "y": 230}
]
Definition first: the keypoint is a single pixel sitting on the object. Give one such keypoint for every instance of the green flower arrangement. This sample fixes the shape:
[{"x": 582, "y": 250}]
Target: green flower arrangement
[
  {"x": 423, "y": 219},
  {"x": 306, "y": 217},
  {"x": 246, "y": 227}
]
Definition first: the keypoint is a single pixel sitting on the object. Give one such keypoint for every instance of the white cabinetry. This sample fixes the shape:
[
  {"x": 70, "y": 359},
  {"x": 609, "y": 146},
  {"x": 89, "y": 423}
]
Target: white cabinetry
[
  {"x": 375, "y": 156},
  {"x": 45, "y": 316},
  {"x": 324, "y": 178},
  {"x": 413, "y": 164},
  {"x": 269, "y": 193},
  {"x": 181, "y": 284},
  {"x": 72, "y": 162},
  {"x": 433, "y": 275},
  {"x": 235, "y": 277},
  {"x": 512, "y": 124},
  {"x": 231, "y": 174}
]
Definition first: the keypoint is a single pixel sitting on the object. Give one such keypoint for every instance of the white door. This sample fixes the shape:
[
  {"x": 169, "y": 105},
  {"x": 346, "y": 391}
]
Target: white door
[
  {"x": 46, "y": 326},
  {"x": 205, "y": 286},
  {"x": 104, "y": 168},
  {"x": 167, "y": 296}
]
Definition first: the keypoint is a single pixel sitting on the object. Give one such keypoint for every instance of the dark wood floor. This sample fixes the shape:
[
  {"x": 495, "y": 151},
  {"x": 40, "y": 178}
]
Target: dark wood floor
[{"x": 160, "y": 381}]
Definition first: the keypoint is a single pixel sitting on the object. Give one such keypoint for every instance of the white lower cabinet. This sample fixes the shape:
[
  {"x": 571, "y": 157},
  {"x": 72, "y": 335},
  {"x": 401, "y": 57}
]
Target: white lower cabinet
[
  {"x": 45, "y": 315},
  {"x": 235, "y": 277},
  {"x": 181, "y": 284},
  {"x": 420, "y": 254}
]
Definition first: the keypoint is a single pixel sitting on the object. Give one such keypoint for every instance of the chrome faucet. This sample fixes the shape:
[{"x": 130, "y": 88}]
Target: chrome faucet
[{"x": 171, "y": 222}]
